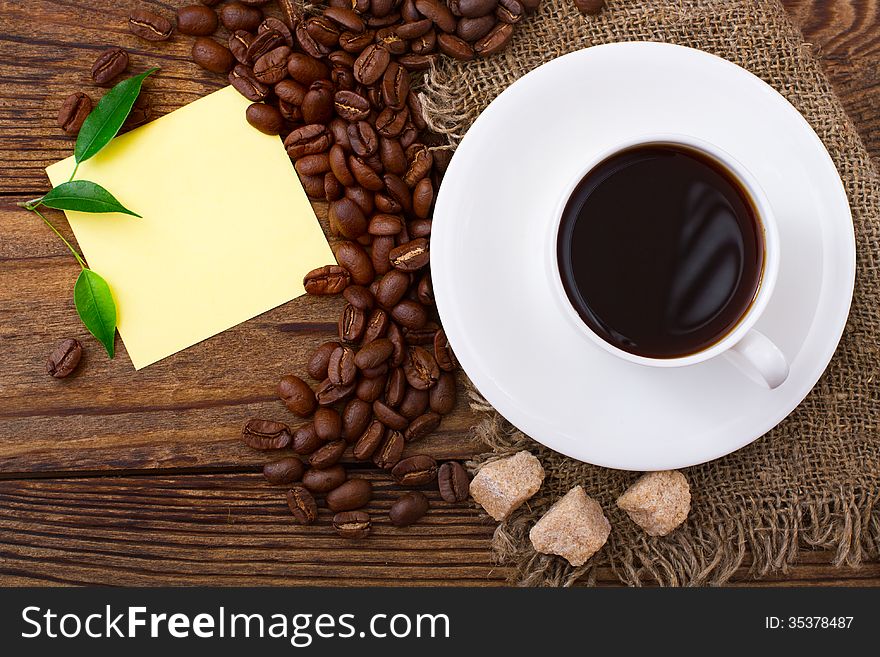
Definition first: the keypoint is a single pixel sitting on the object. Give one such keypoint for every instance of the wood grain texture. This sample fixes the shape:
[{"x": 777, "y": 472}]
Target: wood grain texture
[{"x": 176, "y": 498}]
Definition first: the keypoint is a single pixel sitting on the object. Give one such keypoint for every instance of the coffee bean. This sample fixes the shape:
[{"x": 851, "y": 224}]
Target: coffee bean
[
  {"x": 413, "y": 29},
  {"x": 317, "y": 105},
  {"x": 363, "y": 139},
  {"x": 388, "y": 416},
  {"x": 423, "y": 197},
  {"x": 354, "y": 43},
  {"x": 374, "y": 353},
  {"x": 389, "y": 452},
  {"x": 305, "y": 439},
  {"x": 108, "y": 65},
  {"x": 242, "y": 78},
  {"x": 359, "y": 297},
  {"x": 443, "y": 352},
  {"x": 302, "y": 505},
  {"x": 365, "y": 176},
  {"x": 323, "y": 31},
  {"x": 196, "y": 20},
  {"x": 420, "y": 162},
  {"x": 375, "y": 372},
  {"x": 328, "y": 424},
  {"x": 329, "y": 279},
  {"x": 64, "y": 358},
  {"x": 438, "y": 12},
  {"x": 453, "y": 482},
  {"x": 272, "y": 67},
  {"x": 416, "y": 62},
  {"x": 408, "y": 508},
  {"x": 317, "y": 365},
  {"x": 495, "y": 41},
  {"x": 265, "y": 118},
  {"x": 237, "y": 16},
  {"x": 356, "y": 418},
  {"x": 473, "y": 29},
  {"x": 149, "y": 26},
  {"x": 313, "y": 165},
  {"x": 443, "y": 395},
  {"x": 395, "y": 85},
  {"x": 238, "y": 44},
  {"x": 369, "y": 389},
  {"x": 285, "y": 471},
  {"x": 352, "y": 524},
  {"x": 396, "y": 336},
  {"x": 369, "y": 441},
  {"x": 342, "y": 368},
  {"x": 271, "y": 23},
  {"x": 307, "y": 43},
  {"x": 291, "y": 13},
  {"x": 509, "y": 11},
  {"x": 325, "y": 480},
  {"x": 352, "y": 323},
  {"x": 307, "y": 140},
  {"x": 395, "y": 387},
  {"x": 531, "y": 6},
  {"x": 414, "y": 403},
  {"x": 420, "y": 368},
  {"x": 455, "y": 47},
  {"x": 329, "y": 393},
  {"x": 371, "y": 64},
  {"x": 339, "y": 166},
  {"x": 380, "y": 254},
  {"x": 387, "y": 37},
  {"x": 265, "y": 434},
  {"x": 391, "y": 121},
  {"x": 328, "y": 454},
  {"x": 381, "y": 8},
  {"x": 425, "y": 292},
  {"x": 416, "y": 470},
  {"x": 345, "y": 17},
  {"x": 362, "y": 197},
  {"x": 353, "y": 494},
  {"x": 73, "y": 112},
  {"x": 351, "y": 106},
  {"x": 392, "y": 288},
  {"x": 353, "y": 257},
  {"x": 410, "y": 314},
  {"x": 411, "y": 256},
  {"x": 589, "y": 7},
  {"x": 392, "y": 155},
  {"x": 422, "y": 426},
  {"x": 212, "y": 56},
  {"x": 296, "y": 395},
  {"x": 377, "y": 327}
]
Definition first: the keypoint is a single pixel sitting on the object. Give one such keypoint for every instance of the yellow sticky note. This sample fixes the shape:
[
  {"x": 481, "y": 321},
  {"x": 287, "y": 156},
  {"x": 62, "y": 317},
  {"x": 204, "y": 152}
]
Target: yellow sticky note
[{"x": 226, "y": 233}]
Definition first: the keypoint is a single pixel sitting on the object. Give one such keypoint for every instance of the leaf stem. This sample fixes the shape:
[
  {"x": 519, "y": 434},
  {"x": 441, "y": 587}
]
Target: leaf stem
[
  {"x": 66, "y": 243},
  {"x": 73, "y": 173}
]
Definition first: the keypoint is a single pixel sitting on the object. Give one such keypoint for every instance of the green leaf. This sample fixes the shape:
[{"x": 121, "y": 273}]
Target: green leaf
[
  {"x": 83, "y": 196},
  {"x": 96, "y": 308},
  {"x": 108, "y": 116}
]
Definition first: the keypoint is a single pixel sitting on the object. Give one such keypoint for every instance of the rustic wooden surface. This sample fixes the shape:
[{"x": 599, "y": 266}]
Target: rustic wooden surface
[{"x": 133, "y": 478}]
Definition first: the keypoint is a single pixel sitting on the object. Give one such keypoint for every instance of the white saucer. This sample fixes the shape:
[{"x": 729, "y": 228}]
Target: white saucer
[{"x": 490, "y": 225}]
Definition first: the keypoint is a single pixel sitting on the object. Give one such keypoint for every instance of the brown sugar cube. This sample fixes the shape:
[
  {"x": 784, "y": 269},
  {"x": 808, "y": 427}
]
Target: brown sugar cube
[
  {"x": 502, "y": 486},
  {"x": 574, "y": 528},
  {"x": 658, "y": 502}
]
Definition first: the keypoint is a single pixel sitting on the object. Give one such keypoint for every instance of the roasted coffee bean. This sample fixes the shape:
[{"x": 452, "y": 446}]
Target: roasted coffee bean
[
  {"x": 422, "y": 426},
  {"x": 328, "y": 393},
  {"x": 314, "y": 186},
  {"x": 353, "y": 494},
  {"x": 409, "y": 136},
  {"x": 272, "y": 67},
  {"x": 419, "y": 228},
  {"x": 327, "y": 455},
  {"x": 212, "y": 56},
  {"x": 237, "y": 16},
  {"x": 64, "y": 358},
  {"x": 387, "y": 37},
  {"x": 443, "y": 352},
  {"x": 353, "y": 257},
  {"x": 290, "y": 112},
  {"x": 397, "y": 339},
  {"x": 291, "y": 13},
  {"x": 356, "y": 418},
  {"x": 389, "y": 452},
  {"x": 391, "y": 122},
  {"x": 387, "y": 205},
  {"x": 329, "y": 279},
  {"x": 369, "y": 389},
  {"x": 388, "y": 416},
  {"x": 324, "y": 480},
  {"x": 109, "y": 64},
  {"x": 296, "y": 395},
  {"x": 416, "y": 62},
  {"x": 285, "y": 471},
  {"x": 341, "y": 368},
  {"x": 307, "y": 43},
  {"x": 365, "y": 176},
  {"x": 509, "y": 11},
  {"x": 359, "y": 297},
  {"x": 313, "y": 165},
  {"x": 272, "y": 24},
  {"x": 395, "y": 388},
  {"x": 398, "y": 190},
  {"x": 291, "y": 91},
  {"x": 381, "y": 8},
  {"x": 339, "y": 166},
  {"x": 352, "y": 524},
  {"x": 73, "y": 112},
  {"x": 362, "y": 197},
  {"x": 302, "y": 505},
  {"x": 413, "y": 29},
  {"x": 317, "y": 365},
  {"x": 352, "y": 323},
  {"x": 376, "y": 372},
  {"x": 423, "y": 336},
  {"x": 455, "y": 47},
  {"x": 589, "y": 7},
  {"x": 305, "y": 439},
  {"x": 354, "y": 43},
  {"x": 442, "y": 396},
  {"x": 264, "y": 43},
  {"x": 307, "y": 140},
  {"x": 363, "y": 139},
  {"x": 414, "y": 404},
  {"x": 374, "y": 354},
  {"x": 410, "y": 314},
  {"x": 323, "y": 31},
  {"x": 438, "y": 12},
  {"x": 333, "y": 189},
  {"x": 265, "y": 118},
  {"x": 420, "y": 368},
  {"x": 317, "y": 105},
  {"x": 149, "y": 26},
  {"x": 347, "y": 219},
  {"x": 242, "y": 78},
  {"x": 473, "y": 29},
  {"x": 265, "y": 434},
  {"x": 380, "y": 254},
  {"x": 531, "y": 6},
  {"x": 392, "y": 156},
  {"x": 423, "y": 197},
  {"x": 411, "y": 256},
  {"x": 238, "y": 44},
  {"x": 420, "y": 161},
  {"x": 328, "y": 424},
  {"x": 472, "y": 8},
  {"x": 377, "y": 326},
  {"x": 351, "y": 106},
  {"x": 416, "y": 470},
  {"x": 369, "y": 441},
  {"x": 453, "y": 482},
  {"x": 305, "y": 69},
  {"x": 385, "y": 224},
  {"x": 371, "y": 64},
  {"x": 495, "y": 41},
  {"x": 345, "y": 17},
  {"x": 377, "y": 22},
  {"x": 408, "y": 508},
  {"x": 196, "y": 20}
]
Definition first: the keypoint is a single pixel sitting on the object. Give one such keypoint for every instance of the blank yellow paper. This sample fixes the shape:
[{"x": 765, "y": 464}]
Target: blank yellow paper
[{"x": 227, "y": 231}]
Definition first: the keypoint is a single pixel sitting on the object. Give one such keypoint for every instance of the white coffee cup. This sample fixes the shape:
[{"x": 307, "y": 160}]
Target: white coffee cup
[{"x": 751, "y": 351}]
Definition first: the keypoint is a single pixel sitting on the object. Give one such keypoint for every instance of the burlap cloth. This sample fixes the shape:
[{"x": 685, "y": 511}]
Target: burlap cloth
[{"x": 813, "y": 481}]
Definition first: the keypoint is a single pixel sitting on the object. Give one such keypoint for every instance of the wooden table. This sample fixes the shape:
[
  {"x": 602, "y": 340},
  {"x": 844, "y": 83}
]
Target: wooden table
[{"x": 119, "y": 477}]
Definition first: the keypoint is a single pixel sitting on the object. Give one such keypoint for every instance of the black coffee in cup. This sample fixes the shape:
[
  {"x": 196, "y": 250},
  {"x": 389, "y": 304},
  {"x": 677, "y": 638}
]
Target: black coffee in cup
[{"x": 660, "y": 250}]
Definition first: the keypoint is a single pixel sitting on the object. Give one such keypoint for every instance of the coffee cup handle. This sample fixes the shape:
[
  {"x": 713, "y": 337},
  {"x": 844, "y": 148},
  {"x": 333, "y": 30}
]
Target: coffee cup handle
[{"x": 758, "y": 358}]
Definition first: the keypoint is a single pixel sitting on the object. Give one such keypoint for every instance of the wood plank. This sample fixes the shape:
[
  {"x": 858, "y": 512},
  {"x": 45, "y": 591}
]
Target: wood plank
[{"x": 234, "y": 529}]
